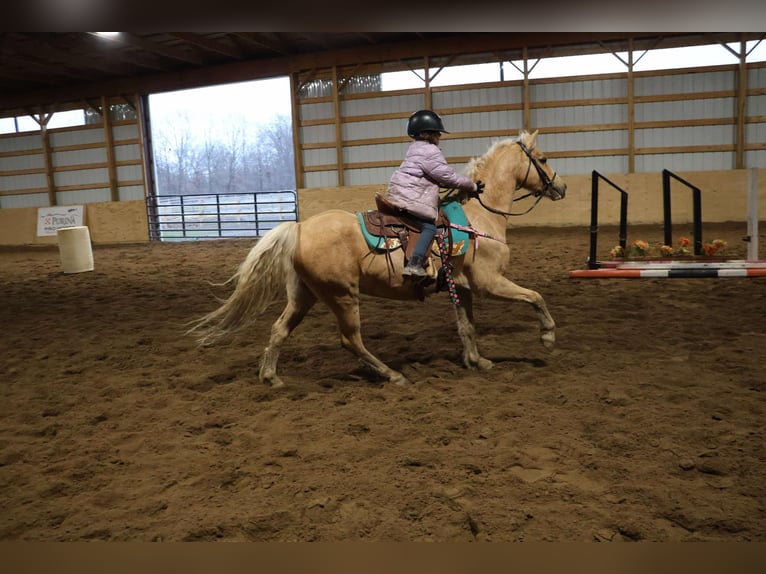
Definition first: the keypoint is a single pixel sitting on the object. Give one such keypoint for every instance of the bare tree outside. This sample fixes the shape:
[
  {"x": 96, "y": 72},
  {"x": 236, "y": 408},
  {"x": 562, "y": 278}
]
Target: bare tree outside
[
  {"x": 223, "y": 161},
  {"x": 247, "y": 158}
]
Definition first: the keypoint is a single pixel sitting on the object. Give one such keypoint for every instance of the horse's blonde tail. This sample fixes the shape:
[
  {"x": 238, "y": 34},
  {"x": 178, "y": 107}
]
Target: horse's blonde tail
[{"x": 259, "y": 282}]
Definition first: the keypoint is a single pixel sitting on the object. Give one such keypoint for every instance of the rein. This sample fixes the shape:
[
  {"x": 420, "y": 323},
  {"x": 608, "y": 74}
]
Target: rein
[{"x": 538, "y": 197}]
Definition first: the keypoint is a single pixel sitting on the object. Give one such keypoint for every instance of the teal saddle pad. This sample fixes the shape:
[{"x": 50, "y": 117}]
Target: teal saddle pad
[{"x": 454, "y": 212}]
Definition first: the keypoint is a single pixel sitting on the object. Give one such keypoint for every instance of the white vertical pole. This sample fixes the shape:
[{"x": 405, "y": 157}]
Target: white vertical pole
[{"x": 752, "y": 214}]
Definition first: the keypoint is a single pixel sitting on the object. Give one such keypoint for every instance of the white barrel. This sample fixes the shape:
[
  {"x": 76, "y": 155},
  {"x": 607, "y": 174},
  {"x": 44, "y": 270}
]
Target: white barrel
[{"x": 75, "y": 249}]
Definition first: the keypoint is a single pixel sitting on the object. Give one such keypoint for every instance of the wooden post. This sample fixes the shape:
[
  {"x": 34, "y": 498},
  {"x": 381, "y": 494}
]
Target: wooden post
[
  {"x": 297, "y": 152},
  {"x": 47, "y": 156},
  {"x": 427, "y": 80},
  {"x": 338, "y": 131},
  {"x": 145, "y": 144},
  {"x": 525, "y": 90},
  {"x": 147, "y": 158},
  {"x": 111, "y": 167},
  {"x": 739, "y": 161}
]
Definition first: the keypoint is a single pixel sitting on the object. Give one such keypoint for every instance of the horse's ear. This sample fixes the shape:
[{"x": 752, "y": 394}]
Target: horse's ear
[{"x": 528, "y": 139}]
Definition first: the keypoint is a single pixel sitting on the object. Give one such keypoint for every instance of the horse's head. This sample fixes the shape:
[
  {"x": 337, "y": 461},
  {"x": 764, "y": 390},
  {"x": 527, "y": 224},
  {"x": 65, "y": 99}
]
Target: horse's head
[{"x": 541, "y": 180}]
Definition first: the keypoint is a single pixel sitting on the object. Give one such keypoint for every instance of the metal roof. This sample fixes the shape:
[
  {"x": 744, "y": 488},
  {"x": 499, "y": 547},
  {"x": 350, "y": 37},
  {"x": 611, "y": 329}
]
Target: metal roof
[{"x": 40, "y": 70}]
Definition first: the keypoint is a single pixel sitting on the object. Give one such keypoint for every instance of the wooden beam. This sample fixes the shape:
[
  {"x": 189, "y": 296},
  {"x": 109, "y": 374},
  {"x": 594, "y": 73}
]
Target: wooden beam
[
  {"x": 525, "y": 97},
  {"x": 131, "y": 101},
  {"x": 157, "y": 48},
  {"x": 114, "y": 51},
  {"x": 81, "y": 51},
  {"x": 47, "y": 68},
  {"x": 145, "y": 151},
  {"x": 92, "y": 106},
  {"x": 210, "y": 45},
  {"x": 297, "y": 152},
  {"x": 49, "y": 179},
  {"x": 106, "y": 117},
  {"x": 263, "y": 41},
  {"x": 25, "y": 73},
  {"x": 739, "y": 154},
  {"x": 338, "y": 129},
  {"x": 427, "y": 86}
]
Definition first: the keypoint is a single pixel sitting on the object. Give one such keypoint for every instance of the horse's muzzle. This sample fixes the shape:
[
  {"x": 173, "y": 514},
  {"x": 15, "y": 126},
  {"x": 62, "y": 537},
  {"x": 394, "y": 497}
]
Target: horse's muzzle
[{"x": 557, "y": 190}]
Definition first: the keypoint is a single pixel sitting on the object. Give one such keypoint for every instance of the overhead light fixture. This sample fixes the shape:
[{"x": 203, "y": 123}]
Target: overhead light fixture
[{"x": 110, "y": 35}]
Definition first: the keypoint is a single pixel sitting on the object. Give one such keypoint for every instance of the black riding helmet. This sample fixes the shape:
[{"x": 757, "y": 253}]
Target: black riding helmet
[{"x": 424, "y": 121}]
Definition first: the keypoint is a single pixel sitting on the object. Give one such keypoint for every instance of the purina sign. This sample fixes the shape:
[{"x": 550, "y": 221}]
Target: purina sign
[{"x": 50, "y": 219}]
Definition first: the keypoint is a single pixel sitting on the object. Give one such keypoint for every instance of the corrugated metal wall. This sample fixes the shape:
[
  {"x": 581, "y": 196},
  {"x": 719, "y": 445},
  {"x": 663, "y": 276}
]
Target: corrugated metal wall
[
  {"x": 682, "y": 120},
  {"x": 78, "y": 161},
  {"x": 689, "y": 99}
]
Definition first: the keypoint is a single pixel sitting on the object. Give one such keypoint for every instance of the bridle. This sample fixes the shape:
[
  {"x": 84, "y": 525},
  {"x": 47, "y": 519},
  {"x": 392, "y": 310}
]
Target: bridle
[
  {"x": 547, "y": 184},
  {"x": 547, "y": 181}
]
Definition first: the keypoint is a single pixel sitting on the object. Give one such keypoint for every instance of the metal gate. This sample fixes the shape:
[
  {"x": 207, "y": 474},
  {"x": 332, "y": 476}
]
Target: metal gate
[{"x": 213, "y": 216}]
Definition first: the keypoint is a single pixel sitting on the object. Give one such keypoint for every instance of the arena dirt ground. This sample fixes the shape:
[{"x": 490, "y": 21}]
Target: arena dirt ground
[{"x": 644, "y": 424}]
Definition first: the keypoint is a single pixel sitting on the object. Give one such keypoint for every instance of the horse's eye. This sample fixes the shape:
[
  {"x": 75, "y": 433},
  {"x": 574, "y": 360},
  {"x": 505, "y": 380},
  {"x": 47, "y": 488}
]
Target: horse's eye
[{"x": 543, "y": 159}]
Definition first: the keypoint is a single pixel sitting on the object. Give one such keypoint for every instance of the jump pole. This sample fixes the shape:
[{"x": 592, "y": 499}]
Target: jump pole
[{"x": 688, "y": 272}]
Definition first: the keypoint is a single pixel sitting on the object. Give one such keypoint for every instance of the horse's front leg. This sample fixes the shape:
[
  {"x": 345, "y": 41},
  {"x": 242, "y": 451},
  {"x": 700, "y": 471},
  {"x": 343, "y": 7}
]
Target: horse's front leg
[
  {"x": 503, "y": 288},
  {"x": 472, "y": 359}
]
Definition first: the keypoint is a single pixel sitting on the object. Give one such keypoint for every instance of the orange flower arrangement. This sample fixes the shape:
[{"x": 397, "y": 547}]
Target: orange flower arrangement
[
  {"x": 641, "y": 248},
  {"x": 715, "y": 246},
  {"x": 666, "y": 250},
  {"x": 617, "y": 252},
  {"x": 683, "y": 246}
]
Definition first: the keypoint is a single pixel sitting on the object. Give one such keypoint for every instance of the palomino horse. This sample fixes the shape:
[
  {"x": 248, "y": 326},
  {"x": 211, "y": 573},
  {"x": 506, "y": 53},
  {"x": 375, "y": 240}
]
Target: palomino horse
[{"x": 327, "y": 258}]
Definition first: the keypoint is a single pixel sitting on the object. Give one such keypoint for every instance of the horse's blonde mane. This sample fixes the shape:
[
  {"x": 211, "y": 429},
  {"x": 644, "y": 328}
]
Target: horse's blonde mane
[{"x": 477, "y": 163}]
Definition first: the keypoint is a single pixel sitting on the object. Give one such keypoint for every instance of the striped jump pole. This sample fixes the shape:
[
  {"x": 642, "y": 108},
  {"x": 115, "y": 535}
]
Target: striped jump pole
[
  {"x": 693, "y": 272},
  {"x": 674, "y": 269}
]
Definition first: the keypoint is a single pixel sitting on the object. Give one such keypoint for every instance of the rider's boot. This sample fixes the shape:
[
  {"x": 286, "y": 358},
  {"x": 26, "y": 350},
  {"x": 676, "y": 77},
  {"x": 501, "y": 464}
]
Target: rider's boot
[{"x": 414, "y": 267}]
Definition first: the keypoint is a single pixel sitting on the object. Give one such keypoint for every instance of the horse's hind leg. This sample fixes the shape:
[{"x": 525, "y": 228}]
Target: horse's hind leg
[
  {"x": 346, "y": 309},
  {"x": 299, "y": 301},
  {"x": 472, "y": 359}
]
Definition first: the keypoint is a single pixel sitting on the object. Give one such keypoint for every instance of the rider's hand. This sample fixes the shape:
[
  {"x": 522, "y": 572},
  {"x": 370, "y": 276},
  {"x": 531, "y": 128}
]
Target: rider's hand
[{"x": 479, "y": 189}]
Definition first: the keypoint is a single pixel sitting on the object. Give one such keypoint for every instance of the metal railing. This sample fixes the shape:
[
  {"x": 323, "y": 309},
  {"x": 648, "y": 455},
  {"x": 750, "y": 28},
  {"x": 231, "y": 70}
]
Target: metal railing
[{"x": 213, "y": 216}]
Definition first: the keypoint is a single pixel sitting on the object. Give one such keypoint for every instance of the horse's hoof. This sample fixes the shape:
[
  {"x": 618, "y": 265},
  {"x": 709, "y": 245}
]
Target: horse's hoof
[
  {"x": 484, "y": 364},
  {"x": 548, "y": 339},
  {"x": 480, "y": 364},
  {"x": 273, "y": 382},
  {"x": 399, "y": 380}
]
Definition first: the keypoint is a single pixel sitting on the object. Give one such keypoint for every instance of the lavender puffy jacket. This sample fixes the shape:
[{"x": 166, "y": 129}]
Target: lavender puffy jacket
[{"x": 415, "y": 185}]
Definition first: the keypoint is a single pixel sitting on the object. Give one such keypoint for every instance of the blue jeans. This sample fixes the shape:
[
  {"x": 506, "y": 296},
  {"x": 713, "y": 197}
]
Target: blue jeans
[{"x": 427, "y": 232}]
